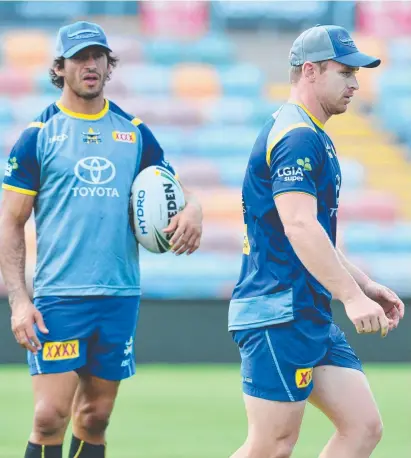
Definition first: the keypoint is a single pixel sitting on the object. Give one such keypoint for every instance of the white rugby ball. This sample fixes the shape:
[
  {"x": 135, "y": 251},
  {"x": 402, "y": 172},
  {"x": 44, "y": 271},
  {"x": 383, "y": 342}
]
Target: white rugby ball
[{"x": 156, "y": 196}]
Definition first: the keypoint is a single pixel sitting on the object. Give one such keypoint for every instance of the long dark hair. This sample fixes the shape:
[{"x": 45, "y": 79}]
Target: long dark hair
[{"x": 58, "y": 63}]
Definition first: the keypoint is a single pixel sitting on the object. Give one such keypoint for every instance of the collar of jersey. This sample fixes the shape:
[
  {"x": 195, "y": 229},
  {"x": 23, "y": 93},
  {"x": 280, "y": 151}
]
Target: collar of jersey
[
  {"x": 315, "y": 120},
  {"x": 87, "y": 117}
]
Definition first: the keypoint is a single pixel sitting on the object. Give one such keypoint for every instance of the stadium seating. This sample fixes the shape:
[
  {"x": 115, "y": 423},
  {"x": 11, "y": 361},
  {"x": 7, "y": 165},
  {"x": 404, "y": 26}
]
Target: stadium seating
[
  {"x": 206, "y": 106},
  {"x": 18, "y": 55}
]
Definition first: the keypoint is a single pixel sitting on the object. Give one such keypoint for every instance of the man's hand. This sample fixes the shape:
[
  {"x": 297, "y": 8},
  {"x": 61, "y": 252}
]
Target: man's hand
[
  {"x": 367, "y": 315},
  {"x": 24, "y": 316},
  {"x": 186, "y": 228},
  {"x": 392, "y": 305}
]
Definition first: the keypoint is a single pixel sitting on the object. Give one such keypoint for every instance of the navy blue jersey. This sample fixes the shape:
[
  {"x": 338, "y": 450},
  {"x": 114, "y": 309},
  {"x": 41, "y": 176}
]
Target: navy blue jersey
[{"x": 291, "y": 154}]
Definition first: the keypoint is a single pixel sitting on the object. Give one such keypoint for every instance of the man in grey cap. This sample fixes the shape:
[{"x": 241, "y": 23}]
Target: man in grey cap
[
  {"x": 280, "y": 315},
  {"x": 75, "y": 166}
]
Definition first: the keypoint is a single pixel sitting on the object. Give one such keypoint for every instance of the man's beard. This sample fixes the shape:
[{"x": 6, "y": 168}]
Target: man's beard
[{"x": 91, "y": 95}]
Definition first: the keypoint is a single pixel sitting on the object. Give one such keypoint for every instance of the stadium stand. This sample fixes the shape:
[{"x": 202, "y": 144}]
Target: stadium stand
[{"x": 206, "y": 106}]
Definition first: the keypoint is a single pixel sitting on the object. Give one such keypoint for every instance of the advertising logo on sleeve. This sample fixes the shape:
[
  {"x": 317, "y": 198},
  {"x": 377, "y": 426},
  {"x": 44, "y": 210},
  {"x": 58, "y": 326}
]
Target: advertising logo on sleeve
[
  {"x": 95, "y": 174},
  {"x": 10, "y": 166},
  {"x": 295, "y": 172},
  {"x": 58, "y": 138}
]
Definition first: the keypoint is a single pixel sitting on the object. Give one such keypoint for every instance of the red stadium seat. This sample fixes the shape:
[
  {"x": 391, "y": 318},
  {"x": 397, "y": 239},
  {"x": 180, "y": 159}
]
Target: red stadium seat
[
  {"x": 369, "y": 206},
  {"x": 15, "y": 82}
]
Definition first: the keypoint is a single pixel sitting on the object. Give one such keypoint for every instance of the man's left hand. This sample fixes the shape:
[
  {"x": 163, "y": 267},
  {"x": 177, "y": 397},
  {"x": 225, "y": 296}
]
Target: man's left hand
[
  {"x": 186, "y": 228},
  {"x": 392, "y": 305}
]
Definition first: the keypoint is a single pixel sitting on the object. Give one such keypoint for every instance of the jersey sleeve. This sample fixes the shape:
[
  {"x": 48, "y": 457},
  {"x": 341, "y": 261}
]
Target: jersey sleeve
[
  {"x": 22, "y": 172},
  {"x": 152, "y": 153},
  {"x": 295, "y": 162}
]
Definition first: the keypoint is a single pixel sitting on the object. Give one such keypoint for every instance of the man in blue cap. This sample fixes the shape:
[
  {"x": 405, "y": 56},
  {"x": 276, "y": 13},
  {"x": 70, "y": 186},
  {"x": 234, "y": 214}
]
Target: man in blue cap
[
  {"x": 280, "y": 315},
  {"x": 75, "y": 165}
]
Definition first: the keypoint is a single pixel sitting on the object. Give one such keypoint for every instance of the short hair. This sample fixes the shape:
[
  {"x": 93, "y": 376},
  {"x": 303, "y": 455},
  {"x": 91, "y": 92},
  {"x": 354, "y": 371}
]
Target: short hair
[
  {"x": 296, "y": 71},
  {"x": 58, "y": 62}
]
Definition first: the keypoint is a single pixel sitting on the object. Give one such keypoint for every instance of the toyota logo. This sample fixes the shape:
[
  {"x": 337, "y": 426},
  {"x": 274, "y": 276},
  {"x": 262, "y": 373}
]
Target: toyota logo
[{"x": 95, "y": 170}]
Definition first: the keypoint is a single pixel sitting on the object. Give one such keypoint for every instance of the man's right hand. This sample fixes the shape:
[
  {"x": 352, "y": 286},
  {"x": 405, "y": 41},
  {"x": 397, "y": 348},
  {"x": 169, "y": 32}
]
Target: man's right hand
[
  {"x": 24, "y": 316},
  {"x": 367, "y": 315}
]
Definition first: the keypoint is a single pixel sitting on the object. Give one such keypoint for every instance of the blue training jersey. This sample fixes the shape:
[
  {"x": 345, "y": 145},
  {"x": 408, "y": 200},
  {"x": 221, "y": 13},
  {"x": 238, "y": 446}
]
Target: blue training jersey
[
  {"x": 291, "y": 154},
  {"x": 80, "y": 168}
]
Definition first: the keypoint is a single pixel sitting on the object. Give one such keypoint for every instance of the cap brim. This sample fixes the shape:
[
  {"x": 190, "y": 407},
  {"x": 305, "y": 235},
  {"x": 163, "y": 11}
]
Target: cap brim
[
  {"x": 358, "y": 59},
  {"x": 81, "y": 46}
]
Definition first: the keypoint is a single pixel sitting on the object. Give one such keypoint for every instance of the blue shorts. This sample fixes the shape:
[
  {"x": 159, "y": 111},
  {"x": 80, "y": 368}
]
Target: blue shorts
[
  {"x": 87, "y": 334},
  {"x": 277, "y": 362}
]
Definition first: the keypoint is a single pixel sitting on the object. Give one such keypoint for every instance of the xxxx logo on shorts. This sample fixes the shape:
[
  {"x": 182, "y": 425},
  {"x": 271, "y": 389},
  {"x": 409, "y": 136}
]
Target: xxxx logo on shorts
[
  {"x": 57, "y": 351},
  {"x": 303, "y": 377},
  {"x": 126, "y": 137}
]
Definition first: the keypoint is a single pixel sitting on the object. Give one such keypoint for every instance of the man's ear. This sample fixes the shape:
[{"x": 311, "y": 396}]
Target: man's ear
[
  {"x": 59, "y": 69},
  {"x": 309, "y": 71}
]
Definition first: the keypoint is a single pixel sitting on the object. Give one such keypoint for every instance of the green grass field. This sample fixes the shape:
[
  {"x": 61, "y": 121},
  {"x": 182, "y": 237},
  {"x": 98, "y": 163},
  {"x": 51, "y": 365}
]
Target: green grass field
[{"x": 197, "y": 412}]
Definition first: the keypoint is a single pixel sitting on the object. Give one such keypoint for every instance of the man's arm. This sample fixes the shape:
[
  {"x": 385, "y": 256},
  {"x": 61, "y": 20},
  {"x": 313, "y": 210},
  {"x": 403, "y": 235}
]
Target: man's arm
[
  {"x": 359, "y": 276},
  {"x": 298, "y": 213},
  {"x": 15, "y": 211}
]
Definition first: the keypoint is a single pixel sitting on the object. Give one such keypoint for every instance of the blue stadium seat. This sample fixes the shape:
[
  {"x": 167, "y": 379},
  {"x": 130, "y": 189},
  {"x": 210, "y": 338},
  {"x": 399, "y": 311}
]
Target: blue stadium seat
[
  {"x": 169, "y": 276},
  {"x": 232, "y": 170},
  {"x": 43, "y": 85},
  {"x": 395, "y": 111},
  {"x": 229, "y": 141},
  {"x": 395, "y": 80},
  {"x": 394, "y": 238},
  {"x": 229, "y": 110},
  {"x": 146, "y": 79},
  {"x": 171, "y": 139},
  {"x": 27, "y": 108},
  {"x": 392, "y": 270},
  {"x": 5, "y": 129},
  {"x": 163, "y": 52},
  {"x": 6, "y": 110},
  {"x": 211, "y": 49},
  {"x": 353, "y": 173},
  {"x": 239, "y": 110},
  {"x": 399, "y": 51},
  {"x": 241, "y": 80}
]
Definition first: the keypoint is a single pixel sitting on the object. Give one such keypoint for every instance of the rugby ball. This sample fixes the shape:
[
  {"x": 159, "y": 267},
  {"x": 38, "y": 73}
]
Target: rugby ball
[{"x": 156, "y": 196}]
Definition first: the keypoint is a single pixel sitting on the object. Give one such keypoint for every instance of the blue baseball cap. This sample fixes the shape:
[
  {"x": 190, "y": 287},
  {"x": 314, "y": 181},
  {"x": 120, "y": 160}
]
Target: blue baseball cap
[
  {"x": 73, "y": 38},
  {"x": 329, "y": 42}
]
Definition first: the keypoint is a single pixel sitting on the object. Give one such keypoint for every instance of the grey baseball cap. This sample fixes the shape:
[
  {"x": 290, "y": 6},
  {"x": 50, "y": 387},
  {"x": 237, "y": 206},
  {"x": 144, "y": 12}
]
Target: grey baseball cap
[{"x": 329, "y": 42}]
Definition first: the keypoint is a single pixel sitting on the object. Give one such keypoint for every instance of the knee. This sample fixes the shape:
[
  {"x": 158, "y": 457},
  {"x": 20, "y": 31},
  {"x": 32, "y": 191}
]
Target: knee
[
  {"x": 49, "y": 420},
  {"x": 372, "y": 430},
  {"x": 367, "y": 432},
  {"x": 280, "y": 447},
  {"x": 94, "y": 417}
]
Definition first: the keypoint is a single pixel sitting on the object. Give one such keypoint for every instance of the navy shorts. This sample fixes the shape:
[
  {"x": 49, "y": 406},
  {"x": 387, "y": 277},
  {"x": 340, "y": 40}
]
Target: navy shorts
[
  {"x": 87, "y": 334},
  {"x": 277, "y": 362}
]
